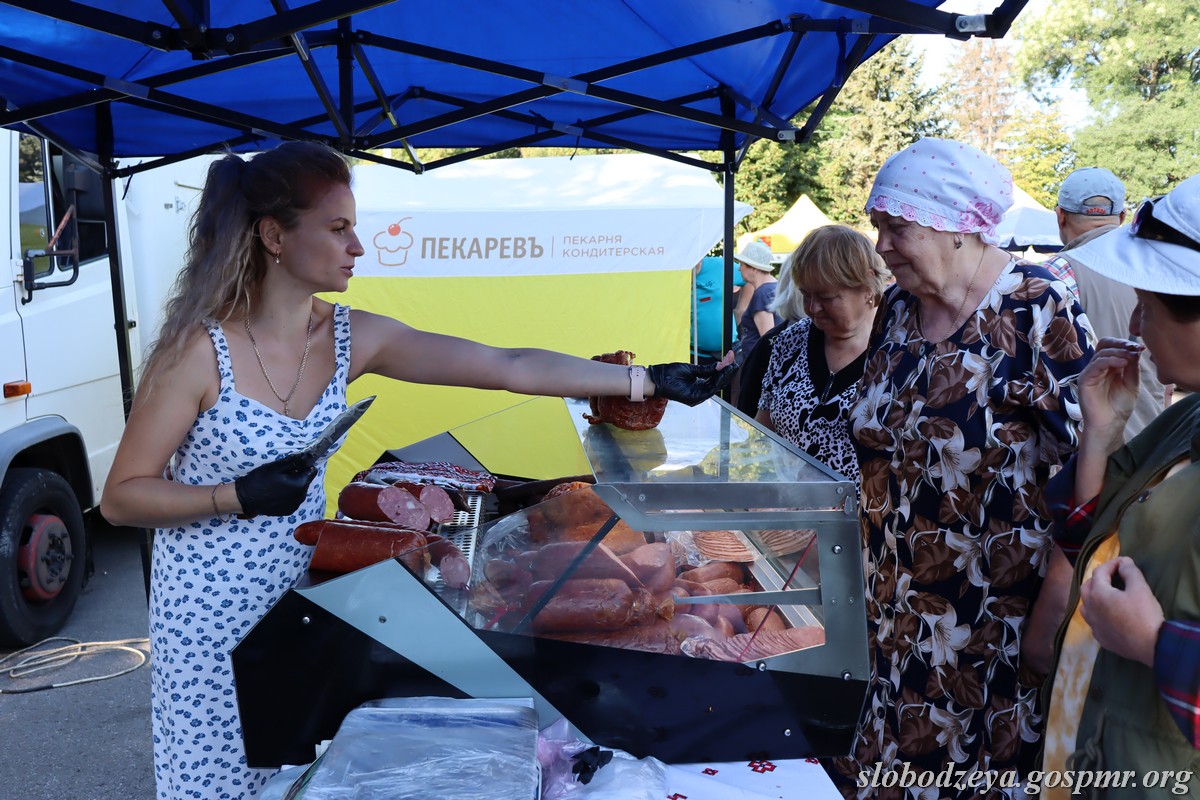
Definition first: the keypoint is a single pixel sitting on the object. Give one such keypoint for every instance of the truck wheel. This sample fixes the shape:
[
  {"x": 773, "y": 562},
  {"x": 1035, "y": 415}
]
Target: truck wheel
[{"x": 42, "y": 555}]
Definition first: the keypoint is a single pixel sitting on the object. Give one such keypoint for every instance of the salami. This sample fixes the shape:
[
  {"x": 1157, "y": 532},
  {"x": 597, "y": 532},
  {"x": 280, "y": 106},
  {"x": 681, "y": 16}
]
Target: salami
[
  {"x": 373, "y": 502},
  {"x": 654, "y": 565},
  {"x": 343, "y": 546},
  {"x": 450, "y": 561},
  {"x": 435, "y": 499}
]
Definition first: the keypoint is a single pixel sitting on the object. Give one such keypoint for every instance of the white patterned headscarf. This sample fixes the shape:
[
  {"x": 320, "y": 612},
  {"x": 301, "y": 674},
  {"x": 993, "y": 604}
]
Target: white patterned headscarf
[{"x": 944, "y": 185}]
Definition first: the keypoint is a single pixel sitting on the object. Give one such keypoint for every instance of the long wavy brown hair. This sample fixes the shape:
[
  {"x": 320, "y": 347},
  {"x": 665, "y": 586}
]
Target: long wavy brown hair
[{"x": 226, "y": 261}]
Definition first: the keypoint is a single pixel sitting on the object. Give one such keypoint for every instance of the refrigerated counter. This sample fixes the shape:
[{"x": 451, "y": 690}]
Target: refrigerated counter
[{"x": 708, "y": 486}]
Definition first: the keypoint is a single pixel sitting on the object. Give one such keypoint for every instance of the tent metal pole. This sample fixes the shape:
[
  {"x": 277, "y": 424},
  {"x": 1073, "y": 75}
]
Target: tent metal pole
[{"x": 121, "y": 322}]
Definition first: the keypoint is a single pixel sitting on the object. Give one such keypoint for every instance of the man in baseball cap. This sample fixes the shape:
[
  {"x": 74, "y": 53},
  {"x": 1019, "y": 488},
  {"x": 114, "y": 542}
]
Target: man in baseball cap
[
  {"x": 1091, "y": 203},
  {"x": 1126, "y": 684}
]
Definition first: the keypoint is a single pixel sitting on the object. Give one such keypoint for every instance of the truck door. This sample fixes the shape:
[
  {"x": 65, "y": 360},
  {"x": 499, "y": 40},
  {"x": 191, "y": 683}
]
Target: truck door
[
  {"x": 12, "y": 353},
  {"x": 70, "y": 341}
]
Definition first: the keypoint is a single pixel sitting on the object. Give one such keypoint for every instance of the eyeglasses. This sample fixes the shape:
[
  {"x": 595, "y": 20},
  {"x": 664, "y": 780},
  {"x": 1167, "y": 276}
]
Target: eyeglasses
[{"x": 1146, "y": 226}]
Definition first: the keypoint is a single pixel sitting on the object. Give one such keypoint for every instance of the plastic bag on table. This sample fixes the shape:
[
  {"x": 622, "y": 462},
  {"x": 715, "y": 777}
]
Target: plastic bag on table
[
  {"x": 581, "y": 771},
  {"x": 421, "y": 747}
]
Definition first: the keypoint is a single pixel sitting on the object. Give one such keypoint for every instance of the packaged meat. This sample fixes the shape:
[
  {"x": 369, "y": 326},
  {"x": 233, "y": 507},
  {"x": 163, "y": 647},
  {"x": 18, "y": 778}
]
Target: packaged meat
[
  {"x": 753, "y": 646},
  {"x": 593, "y": 604},
  {"x": 554, "y": 559},
  {"x": 654, "y": 564},
  {"x": 442, "y": 473}
]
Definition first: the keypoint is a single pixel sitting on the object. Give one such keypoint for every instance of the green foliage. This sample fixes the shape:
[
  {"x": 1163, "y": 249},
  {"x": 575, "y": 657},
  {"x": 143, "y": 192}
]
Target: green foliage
[
  {"x": 1038, "y": 153},
  {"x": 881, "y": 110},
  {"x": 979, "y": 94},
  {"x": 1139, "y": 64}
]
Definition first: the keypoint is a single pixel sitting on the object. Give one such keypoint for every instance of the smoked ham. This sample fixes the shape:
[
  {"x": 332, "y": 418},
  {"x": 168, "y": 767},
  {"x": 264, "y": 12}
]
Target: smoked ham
[
  {"x": 620, "y": 411},
  {"x": 591, "y": 604}
]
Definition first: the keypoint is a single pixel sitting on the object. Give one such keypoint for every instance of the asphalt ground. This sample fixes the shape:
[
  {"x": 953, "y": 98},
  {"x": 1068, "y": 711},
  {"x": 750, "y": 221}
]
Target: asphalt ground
[{"x": 89, "y": 741}]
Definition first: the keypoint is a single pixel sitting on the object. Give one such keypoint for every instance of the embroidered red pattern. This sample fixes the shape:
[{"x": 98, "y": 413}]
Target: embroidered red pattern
[
  {"x": 677, "y": 796},
  {"x": 762, "y": 766},
  {"x": 709, "y": 771}
]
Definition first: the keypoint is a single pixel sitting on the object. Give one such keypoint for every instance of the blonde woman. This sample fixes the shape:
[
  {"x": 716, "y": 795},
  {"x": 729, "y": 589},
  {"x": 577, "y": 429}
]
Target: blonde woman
[
  {"x": 249, "y": 368},
  {"x": 832, "y": 285}
]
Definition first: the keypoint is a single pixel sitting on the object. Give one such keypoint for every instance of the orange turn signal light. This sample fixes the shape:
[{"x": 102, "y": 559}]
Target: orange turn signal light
[{"x": 17, "y": 388}]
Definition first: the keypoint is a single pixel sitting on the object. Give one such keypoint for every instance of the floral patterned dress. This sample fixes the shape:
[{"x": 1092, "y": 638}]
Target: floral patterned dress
[
  {"x": 210, "y": 581},
  {"x": 956, "y": 440}
]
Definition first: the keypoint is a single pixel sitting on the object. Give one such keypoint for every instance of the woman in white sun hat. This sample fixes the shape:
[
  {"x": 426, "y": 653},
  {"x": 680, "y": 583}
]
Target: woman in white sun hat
[
  {"x": 754, "y": 262},
  {"x": 1124, "y": 691}
]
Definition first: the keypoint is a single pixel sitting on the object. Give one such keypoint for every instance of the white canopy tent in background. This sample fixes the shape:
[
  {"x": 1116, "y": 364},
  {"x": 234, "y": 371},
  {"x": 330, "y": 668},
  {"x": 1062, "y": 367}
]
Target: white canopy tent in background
[
  {"x": 784, "y": 234},
  {"x": 1028, "y": 225}
]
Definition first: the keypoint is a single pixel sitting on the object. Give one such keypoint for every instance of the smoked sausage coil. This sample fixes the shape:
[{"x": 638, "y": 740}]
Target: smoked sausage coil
[
  {"x": 373, "y": 502},
  {"x": 344, "y": 546}
]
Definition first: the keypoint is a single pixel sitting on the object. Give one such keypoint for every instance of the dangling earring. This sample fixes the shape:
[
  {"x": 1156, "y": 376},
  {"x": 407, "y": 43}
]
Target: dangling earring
[
  {"x": 277, "y": 259},
  {"x": 957, "y": 246}
]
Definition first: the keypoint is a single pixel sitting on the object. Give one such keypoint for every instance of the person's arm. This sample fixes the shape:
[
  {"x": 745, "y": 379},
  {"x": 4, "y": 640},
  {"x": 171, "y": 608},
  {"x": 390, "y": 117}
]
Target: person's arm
[
  {"x": 1047, "y": 613},
  {"x": 744, "y": 296},
  {"x": 763, "y": 417},
  {"x": 136, "y": 493},
  {"x": 1127, "y": 619},
  {"x": 384, "y": 346},
  {"x": 764, "y": 321},
  {"x": 1108, "y": 389}
]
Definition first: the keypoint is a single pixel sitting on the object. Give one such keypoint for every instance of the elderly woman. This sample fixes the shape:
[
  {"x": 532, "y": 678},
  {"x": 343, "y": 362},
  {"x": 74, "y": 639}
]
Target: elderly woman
[
  {"x": 967, "y": 402},
  {"x": 1124, "y": 692},
  {"x": 832, "y": 285}
]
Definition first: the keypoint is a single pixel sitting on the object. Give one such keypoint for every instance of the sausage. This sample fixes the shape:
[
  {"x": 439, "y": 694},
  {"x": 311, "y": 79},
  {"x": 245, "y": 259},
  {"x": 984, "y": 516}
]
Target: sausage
[
  {"x": 762, "y": 618},
  {"x": 713, "y": 570},
  {"x": 348, "y": 546},
  {"x": 723, "y": 586},
  {"x": 654, "y": 564},
  {"x": 553, "y": 560},
  {"x": 435, "y": 499},
  {"x": 450, "y": 561},
  {"x": 591, "y": 604},
  {"x": 374, "y": 502}
]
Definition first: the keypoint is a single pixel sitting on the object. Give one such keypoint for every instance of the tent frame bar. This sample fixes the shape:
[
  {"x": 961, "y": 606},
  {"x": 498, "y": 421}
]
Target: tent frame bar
[{"x": 238, "y": 45}]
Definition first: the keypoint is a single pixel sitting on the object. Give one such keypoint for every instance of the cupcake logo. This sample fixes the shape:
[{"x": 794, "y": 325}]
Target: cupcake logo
[{"x": 392, "y": 244}]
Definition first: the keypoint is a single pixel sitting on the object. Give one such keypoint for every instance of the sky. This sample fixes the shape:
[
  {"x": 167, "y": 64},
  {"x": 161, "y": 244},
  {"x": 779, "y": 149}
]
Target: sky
[{"x": 939, "y": 51}]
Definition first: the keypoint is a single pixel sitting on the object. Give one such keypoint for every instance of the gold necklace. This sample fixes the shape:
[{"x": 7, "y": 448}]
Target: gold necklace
[
  {"x": 962, "y": 306},
  {"x": 263, "y": 367}
]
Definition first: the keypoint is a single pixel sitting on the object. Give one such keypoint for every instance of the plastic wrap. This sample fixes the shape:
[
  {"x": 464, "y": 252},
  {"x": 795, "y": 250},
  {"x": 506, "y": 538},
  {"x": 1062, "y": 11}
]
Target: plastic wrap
[
  {"x": 423, "y": 747},
  {"x": 621, "y": 778}
]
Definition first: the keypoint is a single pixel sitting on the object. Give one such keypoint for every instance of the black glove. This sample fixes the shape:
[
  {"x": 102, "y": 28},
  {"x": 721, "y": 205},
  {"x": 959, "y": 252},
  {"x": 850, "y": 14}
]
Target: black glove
[
  {"x": 276, "y": 488},
  {"x": 688, "y": 383}
]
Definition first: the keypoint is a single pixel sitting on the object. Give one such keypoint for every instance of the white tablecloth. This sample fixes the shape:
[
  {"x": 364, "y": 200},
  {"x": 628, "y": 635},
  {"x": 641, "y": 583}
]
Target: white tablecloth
[{"x": 788, "y": 779}]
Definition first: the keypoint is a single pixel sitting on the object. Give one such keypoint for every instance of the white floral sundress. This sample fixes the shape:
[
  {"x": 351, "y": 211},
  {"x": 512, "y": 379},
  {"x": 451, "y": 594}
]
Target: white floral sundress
[{"x": 212, "y": 580}]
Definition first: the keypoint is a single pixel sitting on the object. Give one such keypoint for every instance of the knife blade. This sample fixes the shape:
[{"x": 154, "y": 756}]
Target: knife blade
[{"x": 335, "y": 430}]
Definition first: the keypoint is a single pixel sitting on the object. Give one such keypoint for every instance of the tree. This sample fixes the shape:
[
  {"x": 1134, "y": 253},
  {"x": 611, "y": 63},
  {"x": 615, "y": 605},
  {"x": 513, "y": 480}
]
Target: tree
[
  {"x": 882, "y": 109},
  {"x": 979, "y": 93},
  {"x": 1139, "y": 64},
  {"x": 1037, "y": 150}
]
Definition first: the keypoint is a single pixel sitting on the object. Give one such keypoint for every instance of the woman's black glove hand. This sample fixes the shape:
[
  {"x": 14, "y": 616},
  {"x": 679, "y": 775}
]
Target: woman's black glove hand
[
  {"x": 688, "y": 383},
  {"x": 276, "y": 488}
]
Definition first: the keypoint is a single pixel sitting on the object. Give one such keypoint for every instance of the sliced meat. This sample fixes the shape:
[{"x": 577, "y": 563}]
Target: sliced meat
[{"x": 374, "y": 502}]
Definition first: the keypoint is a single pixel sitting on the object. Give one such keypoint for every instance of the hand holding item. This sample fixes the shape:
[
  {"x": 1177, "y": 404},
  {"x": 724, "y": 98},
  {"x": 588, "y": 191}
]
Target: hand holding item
[
  {"x": 1108, "y": 386},
  {"x": 277, "y": 488},
  {"x": 688, "y": 383},
  {"x": 1124, "y": 620}
]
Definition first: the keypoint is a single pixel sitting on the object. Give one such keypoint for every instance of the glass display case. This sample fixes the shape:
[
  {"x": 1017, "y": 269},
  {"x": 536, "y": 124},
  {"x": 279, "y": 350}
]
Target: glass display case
[{"x": 696, "y": 595}]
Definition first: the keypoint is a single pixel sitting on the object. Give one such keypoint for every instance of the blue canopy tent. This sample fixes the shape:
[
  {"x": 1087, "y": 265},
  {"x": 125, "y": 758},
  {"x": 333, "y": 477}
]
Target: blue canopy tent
[{"x": 177, "y": 78}]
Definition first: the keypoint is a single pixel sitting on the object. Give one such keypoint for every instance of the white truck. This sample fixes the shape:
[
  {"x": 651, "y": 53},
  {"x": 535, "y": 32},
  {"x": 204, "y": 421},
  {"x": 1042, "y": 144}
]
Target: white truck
[{"x": 63, "y": 405}]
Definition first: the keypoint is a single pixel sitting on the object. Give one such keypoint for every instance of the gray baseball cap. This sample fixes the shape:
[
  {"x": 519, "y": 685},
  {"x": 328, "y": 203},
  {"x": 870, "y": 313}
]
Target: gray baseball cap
[{"x": 1090, "y": 183}]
